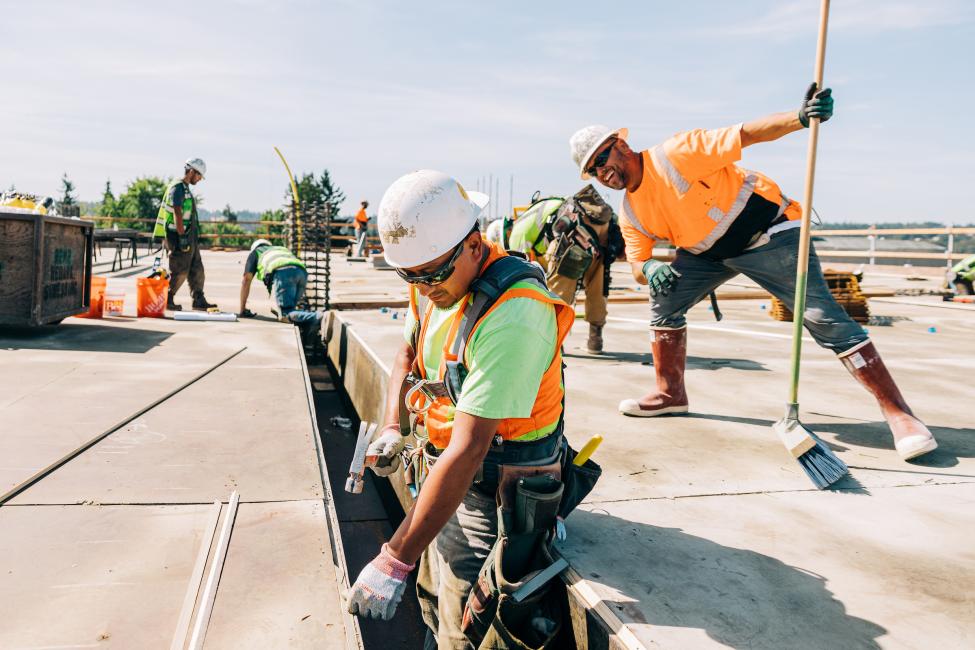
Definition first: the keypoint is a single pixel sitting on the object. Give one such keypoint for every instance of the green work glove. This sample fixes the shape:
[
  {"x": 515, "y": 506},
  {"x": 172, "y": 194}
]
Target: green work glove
[
  {"x": 816, "y": 104},
  {"x": 661, "y": 277}
]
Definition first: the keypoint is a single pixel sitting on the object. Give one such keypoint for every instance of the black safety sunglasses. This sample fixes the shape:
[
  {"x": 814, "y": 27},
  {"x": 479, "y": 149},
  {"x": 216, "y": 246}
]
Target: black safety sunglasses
[
  {"x": 437, "y": 276},
  {"x": 600, "y": 160}
]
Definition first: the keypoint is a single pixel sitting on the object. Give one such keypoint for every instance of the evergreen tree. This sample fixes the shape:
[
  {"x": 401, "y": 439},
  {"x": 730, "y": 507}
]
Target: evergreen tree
[
  {"x": 108, "y": 207},
  {"x": 68, "y": 200},
  {"x": 318, "y": 191},
  {"x": 228, "y": 214}
]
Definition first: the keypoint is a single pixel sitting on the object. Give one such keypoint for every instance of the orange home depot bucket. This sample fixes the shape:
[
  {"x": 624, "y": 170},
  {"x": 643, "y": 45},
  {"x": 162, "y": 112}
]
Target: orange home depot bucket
[
  {"x": 152, "y": 294},
  {"x": 95, "y": 298}
]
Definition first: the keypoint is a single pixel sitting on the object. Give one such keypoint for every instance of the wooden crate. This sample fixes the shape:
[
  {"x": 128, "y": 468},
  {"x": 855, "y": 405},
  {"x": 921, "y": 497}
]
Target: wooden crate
[
  {"x": 45, "y": 268},
  {"x": 845, "y": 289}
]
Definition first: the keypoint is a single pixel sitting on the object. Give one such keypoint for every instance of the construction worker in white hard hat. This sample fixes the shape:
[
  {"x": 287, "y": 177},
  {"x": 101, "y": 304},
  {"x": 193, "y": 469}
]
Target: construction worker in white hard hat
[
  {"x": 725, "y": 220},
  {"x": 178, "y": 223},
  {"x": 482, "y": 364},
  {"x": 284, "y": 275}
]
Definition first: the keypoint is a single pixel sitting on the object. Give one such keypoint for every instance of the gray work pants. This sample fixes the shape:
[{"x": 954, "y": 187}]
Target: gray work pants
[
  {"x": 448, "y": 568},
  {"x": 185, "y": 265},
  {"x": 773, "y": 267}
]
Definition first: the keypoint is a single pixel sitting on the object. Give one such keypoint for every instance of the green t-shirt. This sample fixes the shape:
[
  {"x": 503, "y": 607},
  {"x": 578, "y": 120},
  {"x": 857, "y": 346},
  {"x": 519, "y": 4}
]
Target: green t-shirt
[{"x": 506, "y": 357}]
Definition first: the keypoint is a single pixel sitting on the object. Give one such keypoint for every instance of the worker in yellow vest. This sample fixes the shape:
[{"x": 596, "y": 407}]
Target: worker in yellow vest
[
  {"x": 726, "y": 220},
  {"x": 178, "y": 224},
  {"x": 285, "y": 276},
  {"x": 481, "y": 358}
]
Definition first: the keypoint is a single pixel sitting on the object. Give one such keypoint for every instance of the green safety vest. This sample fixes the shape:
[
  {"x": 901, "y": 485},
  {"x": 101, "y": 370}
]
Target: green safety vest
[
  {"x": 525, "y": 233},
  {"x": 272, "y": 258},
  {"x": 167, "y": 216},
  {"x": 965, "y": 269}
]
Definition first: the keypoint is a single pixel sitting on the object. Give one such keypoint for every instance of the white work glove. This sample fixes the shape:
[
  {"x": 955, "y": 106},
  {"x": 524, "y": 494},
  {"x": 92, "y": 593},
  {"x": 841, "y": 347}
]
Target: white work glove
[
  {"x": 379, "y": 587},
  {"x": 383, "y": 453}
]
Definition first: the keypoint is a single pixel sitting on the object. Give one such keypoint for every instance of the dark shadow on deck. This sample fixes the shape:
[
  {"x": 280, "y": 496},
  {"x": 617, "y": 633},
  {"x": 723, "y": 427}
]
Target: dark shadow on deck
[
  {"x": 738, "y": 597},
  {"x": 82, "y": 337}
]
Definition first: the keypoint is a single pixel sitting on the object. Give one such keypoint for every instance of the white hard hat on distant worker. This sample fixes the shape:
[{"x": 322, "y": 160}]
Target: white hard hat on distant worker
[
  {"x": 425, "y": 214},
  {"x": 586, "y": 141},
  {"x": 198, "y": 165},
  {"x": 258, "y": 243}
]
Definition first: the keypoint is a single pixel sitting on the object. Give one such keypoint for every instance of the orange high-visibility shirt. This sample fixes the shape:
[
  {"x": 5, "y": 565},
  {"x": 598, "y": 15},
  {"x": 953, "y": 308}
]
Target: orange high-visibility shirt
[
  {"x": 361, "y": 216},
  {"x": 691, "y": 193}
]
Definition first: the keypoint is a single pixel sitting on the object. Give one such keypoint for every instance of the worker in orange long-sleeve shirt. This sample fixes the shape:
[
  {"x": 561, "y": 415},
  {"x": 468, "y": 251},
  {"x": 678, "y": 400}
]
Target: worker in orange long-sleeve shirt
[{"x": 725, "y": 220}]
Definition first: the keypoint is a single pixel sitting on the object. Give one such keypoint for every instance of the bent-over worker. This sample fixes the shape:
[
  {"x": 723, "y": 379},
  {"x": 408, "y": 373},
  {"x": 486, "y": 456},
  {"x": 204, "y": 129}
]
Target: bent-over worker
[
  {"x": 601, "y": 229},
  {"x": 508, "y": 409},
  {"x": 725, "y": 220},
  {"x": 285, "y": 277}
]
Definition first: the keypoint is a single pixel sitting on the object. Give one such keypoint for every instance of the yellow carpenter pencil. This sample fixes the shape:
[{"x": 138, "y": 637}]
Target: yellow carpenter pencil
[{"x": 587, "y": 450}]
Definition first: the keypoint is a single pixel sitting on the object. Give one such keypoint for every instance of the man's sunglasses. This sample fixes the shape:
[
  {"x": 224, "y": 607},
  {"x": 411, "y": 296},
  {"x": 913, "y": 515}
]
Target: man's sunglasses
[
  {"x": 600, "y": 160},
  {"x": 437, "y": 276}
]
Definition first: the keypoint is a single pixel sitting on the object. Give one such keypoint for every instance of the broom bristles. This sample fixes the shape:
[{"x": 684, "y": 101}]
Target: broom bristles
[{"x": 821, "y": 465}]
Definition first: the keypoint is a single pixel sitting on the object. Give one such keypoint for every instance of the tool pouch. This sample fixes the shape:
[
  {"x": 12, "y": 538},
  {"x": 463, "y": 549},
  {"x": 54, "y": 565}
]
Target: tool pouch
[
  {"x": 578, "y": 481},
  {"x": 493, "y": 619},
  {"x": 572, "y": 260}
]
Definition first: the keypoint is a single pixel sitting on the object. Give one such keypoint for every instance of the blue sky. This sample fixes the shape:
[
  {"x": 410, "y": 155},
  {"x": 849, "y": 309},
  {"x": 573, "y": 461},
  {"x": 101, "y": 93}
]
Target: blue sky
[{"x": 372, "y": 90}]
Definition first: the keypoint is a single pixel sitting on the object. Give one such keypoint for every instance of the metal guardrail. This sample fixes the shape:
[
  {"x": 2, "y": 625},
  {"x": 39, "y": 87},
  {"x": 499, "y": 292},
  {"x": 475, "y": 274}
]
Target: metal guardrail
[
  {"x": 91, "y": 217},
  {"x": 872, "y": 254}
]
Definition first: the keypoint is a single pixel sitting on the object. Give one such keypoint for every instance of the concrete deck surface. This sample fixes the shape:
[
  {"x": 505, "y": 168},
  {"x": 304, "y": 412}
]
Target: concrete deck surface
[
  {"x": 99, "y": 553},
  {"x": 703, "y": 532}
]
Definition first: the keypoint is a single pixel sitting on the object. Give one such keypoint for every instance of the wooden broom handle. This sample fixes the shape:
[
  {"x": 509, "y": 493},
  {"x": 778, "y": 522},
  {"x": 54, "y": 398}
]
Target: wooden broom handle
[{"x": 802, "y": 266}]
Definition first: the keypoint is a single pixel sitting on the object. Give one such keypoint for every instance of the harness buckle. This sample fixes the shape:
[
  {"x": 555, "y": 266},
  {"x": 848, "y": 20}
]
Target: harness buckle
[{"x": 431, "y": 390}]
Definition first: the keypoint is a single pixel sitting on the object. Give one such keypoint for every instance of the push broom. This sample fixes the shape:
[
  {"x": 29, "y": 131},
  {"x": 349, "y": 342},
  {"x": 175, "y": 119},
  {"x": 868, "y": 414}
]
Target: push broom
[{"x": 818, "y": 461}]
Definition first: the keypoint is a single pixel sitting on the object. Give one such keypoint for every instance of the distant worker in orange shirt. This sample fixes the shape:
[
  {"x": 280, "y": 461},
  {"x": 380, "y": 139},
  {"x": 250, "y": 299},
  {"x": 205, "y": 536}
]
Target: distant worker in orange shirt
[
  {"x": 361, "y": 227},
  {"x": 725, "y": 220}
]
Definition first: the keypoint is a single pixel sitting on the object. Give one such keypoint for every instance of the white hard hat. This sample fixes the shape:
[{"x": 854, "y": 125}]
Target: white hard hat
[
  {"x": 494, "y": 232},
  {"x": 198, "y": 165},
  {"x": 423, "y": 215},
  {"x": 585, "y": 141},
  {"x": 258, "y": 243}
]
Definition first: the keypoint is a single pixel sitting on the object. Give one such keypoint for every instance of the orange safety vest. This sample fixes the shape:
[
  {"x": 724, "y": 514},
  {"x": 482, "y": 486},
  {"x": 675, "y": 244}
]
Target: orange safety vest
[
  {"x": 361, "y": 216},
  {"x": 547, "y": 410},
  {"x": 692, "y": 192}
]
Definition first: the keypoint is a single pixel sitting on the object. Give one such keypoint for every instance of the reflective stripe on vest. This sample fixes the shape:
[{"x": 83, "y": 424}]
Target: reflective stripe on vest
[
  {"x": 546, "y": 412},
  {"x": 166, "y": 214},
  {"x": 675, "y": 177},
  {"x": 723, "y": 220},
  {"x": 677, "y": 221},
  {"x": 272, "y": 258}
]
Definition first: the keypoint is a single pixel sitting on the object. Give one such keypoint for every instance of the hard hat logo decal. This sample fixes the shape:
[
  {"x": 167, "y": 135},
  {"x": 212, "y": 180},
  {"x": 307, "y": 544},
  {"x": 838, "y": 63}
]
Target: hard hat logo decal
[
  {"x": 396, "y": 232},
  {"x": 463, "y": 192}
]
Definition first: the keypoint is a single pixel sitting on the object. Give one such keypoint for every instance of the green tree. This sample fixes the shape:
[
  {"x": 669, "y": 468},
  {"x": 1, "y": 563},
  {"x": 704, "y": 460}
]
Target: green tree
[
  {"x": 108, "y": 207},
  {"x": 321, "y": 191},
  {"x": 231, "y": 235},
  {"x": 271, "y": 229},
  {"x": 141, "y": 200},
  {"x": 228, "y": 214},
  {"x": 68, "y": 200}
]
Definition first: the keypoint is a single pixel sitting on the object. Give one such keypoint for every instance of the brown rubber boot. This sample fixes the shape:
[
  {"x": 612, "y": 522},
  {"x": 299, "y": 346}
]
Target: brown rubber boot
[
  {"x": 595, "y": 343},
  {"x": 911, "y": 437},
  {"x": 669, "y": 358}
]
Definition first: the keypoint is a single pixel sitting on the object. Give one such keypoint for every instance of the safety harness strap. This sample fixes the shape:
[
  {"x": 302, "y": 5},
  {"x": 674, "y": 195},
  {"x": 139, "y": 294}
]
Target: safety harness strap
[{"x": 486, "y": 290}]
